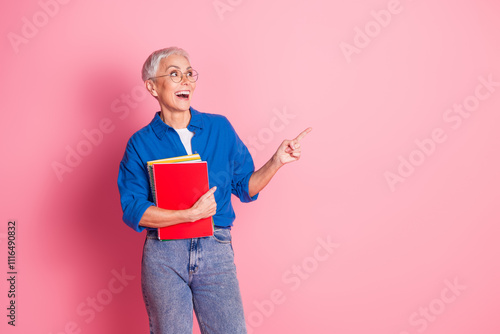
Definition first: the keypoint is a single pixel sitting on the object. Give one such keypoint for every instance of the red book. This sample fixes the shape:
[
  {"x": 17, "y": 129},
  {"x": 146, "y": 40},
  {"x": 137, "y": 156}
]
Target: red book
[{"x": 177, "y": 186}]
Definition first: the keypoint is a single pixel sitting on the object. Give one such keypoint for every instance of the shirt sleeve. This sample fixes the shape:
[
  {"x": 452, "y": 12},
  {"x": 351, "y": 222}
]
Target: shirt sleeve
[
  {"x": 243, "y": 168},
  {"x": 133, "y": 184}
]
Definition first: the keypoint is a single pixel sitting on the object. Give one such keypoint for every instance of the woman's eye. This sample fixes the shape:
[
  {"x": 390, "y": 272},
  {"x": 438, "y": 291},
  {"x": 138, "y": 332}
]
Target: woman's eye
[{"x": 174, "y": 74}]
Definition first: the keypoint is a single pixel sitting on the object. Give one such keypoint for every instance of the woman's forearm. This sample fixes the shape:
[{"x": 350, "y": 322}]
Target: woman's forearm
[
  {"x": 261, "y": 177},
  {"x": 156, "y": 217},
  {"x": 204, "y": 207}
]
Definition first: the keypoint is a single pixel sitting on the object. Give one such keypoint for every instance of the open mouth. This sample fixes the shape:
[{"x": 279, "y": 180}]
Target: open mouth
[{"x": 183, "y": 94}]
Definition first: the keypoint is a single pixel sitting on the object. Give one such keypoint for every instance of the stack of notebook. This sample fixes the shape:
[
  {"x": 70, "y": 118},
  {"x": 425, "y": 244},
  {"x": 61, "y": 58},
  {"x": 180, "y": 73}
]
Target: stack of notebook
[{"x": 176, "y": 184}]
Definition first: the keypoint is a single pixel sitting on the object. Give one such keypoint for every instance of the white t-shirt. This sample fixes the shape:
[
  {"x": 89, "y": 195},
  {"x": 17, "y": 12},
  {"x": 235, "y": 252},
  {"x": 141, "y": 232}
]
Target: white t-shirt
[{"x": 186, "y": 136}]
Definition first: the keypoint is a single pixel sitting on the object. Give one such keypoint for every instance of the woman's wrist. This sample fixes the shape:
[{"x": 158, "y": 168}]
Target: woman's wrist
[
  {"x": 275, "y": 163},
  {"x": 188, "y": 215}
]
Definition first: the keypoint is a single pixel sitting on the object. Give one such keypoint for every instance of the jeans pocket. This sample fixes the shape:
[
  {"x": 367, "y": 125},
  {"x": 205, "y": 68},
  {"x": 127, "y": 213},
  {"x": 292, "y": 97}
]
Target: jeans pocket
[{"x": 222, "y": 235}]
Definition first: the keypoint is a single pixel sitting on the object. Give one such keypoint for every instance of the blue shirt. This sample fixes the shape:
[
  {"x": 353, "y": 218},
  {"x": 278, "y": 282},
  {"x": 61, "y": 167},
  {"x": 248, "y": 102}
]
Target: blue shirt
[{"x": 230, "y": 165}]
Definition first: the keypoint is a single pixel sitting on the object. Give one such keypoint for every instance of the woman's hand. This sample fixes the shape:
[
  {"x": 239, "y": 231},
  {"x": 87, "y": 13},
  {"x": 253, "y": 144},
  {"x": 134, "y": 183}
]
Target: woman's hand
[
  {"x": 289, "y": 150},
  {"x": 204, "y": 207}
]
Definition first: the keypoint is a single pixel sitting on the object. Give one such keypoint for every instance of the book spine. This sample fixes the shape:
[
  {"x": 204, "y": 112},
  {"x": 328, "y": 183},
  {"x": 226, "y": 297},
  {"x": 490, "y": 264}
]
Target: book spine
[{"x": 152, "y": 183}]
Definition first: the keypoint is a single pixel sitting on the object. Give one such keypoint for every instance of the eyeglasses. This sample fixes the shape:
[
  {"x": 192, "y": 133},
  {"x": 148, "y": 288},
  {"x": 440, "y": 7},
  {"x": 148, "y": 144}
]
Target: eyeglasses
[{"x": 177, "y": 76}]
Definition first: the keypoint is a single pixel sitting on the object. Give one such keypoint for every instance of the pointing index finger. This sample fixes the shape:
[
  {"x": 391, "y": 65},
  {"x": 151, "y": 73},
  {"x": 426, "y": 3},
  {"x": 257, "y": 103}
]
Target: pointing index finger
[{"x": 303, "y": 134}]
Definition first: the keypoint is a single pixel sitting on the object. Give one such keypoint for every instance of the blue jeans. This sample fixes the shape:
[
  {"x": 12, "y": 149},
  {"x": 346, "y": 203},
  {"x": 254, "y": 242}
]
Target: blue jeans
[{"x": 181, "y": 275}]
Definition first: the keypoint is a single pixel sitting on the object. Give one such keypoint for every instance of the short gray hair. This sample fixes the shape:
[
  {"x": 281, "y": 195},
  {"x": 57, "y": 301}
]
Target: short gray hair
[{"x": 151, "y": 64}]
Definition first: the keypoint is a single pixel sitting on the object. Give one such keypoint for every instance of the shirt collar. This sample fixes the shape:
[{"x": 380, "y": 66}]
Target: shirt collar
[{"x": 160, "y": 128}]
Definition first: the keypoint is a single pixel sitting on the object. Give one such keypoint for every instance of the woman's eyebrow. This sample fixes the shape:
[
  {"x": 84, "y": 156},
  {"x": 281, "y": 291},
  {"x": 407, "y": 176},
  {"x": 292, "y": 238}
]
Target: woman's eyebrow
[
  {"x": 189, "y": 67},
  {"x": 172, "y": 66}
]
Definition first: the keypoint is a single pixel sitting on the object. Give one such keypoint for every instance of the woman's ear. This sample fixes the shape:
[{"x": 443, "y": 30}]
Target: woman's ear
[{"x": 151, "y": 87}]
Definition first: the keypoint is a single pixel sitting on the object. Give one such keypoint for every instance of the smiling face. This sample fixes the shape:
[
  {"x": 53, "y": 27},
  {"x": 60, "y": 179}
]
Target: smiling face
[{"x": 173, "y": 97}]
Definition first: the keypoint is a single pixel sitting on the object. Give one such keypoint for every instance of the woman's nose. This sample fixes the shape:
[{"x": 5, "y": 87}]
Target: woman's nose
[{"x": 184, "y": 78}]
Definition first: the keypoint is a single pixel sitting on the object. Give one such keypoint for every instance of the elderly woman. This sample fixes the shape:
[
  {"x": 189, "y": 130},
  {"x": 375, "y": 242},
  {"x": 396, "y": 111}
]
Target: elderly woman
[{"x": 181, "y": 275}]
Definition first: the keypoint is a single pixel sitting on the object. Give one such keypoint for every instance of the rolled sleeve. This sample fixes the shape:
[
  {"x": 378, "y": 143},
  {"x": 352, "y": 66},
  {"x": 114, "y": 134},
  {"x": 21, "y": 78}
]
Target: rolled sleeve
[
  {"x": 133, "y": 184},
  {"x": 240, "y": 189},
  {"x": 243, "y": 170}
]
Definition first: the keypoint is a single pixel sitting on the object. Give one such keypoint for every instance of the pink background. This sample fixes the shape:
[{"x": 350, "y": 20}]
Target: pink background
[{"x": 397, "y": 248}]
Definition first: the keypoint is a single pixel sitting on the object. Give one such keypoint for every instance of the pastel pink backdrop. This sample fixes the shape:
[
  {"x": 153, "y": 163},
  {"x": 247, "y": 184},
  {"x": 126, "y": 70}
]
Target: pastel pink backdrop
[{"x": 411, "y": 257}]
